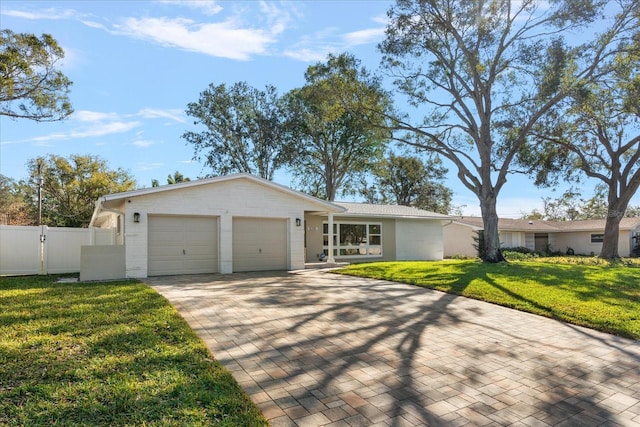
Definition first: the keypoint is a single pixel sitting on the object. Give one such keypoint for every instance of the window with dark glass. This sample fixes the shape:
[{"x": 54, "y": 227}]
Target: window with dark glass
[{"x": 354, "y": 239}]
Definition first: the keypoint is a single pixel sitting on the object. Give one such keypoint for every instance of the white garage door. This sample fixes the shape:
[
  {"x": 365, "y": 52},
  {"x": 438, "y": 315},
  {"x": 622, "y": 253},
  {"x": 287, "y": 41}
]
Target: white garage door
[
  {"x": 182, "y": 245},
  {"x": 259, "y": 244}
]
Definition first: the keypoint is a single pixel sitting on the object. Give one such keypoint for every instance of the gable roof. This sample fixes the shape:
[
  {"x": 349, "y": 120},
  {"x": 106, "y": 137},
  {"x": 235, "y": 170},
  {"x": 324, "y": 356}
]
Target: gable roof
[
  {"x": 323, "y": 205},
  {"x": 507, "y": 224},
  {"x": 390, "y": 211},
  {"x": 223, "y": 178}
]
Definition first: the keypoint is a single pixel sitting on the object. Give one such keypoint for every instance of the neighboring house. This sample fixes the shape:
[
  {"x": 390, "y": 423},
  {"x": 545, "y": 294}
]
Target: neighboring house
[
  {"x": 583, "y": 237},
  {"x": 241, "y": 222}
]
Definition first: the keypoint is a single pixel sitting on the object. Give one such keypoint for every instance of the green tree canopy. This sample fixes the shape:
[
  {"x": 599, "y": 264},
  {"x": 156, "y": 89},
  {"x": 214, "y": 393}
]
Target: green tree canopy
[
  {"x": 71, "y": 186},
  {"x": 596, "y": 132},
  {"x": 176, "y": 178},
  {"x": 171, "y": 179},
  {"x": 30, "y": 85},
  {"x": 410, "y": 181},
  {"x": 481, "y": 74},
  {"x": 245, "y": 130},
  {"x": 335, "y": 142},
  {"x": 571, "y": 206},
  {"x": 12, "y": 204}
]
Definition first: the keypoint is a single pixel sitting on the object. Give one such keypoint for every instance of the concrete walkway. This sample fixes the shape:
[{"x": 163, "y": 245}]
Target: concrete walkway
[{"x": 318, "y": 349}]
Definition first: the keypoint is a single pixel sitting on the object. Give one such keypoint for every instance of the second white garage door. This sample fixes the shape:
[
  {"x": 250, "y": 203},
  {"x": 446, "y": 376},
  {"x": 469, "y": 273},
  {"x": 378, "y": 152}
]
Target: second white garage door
[
  {"x": 259, "y": 244},
  {"x": 182, "y": 245}
]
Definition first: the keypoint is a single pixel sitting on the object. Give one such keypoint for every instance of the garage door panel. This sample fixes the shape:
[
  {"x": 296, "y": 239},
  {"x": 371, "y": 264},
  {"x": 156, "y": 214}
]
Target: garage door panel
[
  {"x": 164, "y": 252},
  {"x": 164, "y": 267},
  {"x": 199, "y": 250},
  {"x": 259, "y": 244},
  {"x": 182, "y": 245},
  {"x": 203, "y": 236}
]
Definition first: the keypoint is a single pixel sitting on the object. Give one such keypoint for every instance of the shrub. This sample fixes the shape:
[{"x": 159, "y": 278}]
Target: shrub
[
  {"x": 519, "y": 249},
  {"x": 513, "y": 255},
  {"x": 459, "y": 256},
  {"x": 478, "y": 243}
]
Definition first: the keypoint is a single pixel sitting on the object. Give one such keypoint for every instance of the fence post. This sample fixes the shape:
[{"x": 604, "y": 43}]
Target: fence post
[{"x": 43, "y": 238}]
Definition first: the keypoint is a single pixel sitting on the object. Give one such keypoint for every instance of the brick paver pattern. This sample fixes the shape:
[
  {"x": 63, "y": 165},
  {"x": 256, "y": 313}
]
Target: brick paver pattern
[{"x": 313, "y": 348}]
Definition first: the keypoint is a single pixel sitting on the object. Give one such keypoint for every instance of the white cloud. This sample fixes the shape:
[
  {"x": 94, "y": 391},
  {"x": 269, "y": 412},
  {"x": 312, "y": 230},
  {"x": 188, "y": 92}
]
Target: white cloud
[
  {"x": 310, "y": 54},
  {"x": 225, "y": 39},
  {"x": 102, "y": 129},
  {"x": 172, "y": 114},
  {"x": 49, "y": 13},
  {"x": 96, "y": 129},
  {"x": 369, "y": 35},
  {"x": 317, "y": 46},
  {"x": 93, "y": 124},
  {"x": 143, "y": 143},
  {"x": 93, "y": 116},
  {"x": 208, "y": 7},
  {"x": 144, "y": 166},
  {"x": 239, "y": 35},
  {"x": 94, "y": 24}
]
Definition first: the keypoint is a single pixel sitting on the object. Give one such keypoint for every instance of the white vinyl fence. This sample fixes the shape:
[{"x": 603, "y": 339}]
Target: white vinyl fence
[{"x": 21, "y": 250}]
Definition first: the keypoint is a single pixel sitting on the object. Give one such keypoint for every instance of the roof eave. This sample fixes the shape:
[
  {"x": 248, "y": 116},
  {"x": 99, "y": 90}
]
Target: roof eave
[{"x": 392, "y": 216}]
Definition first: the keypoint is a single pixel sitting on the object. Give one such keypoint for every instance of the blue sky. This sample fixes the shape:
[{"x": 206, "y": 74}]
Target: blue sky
[{"x": 137, "y": 64}]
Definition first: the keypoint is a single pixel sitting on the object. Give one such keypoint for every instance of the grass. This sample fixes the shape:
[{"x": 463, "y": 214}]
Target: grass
[
  {"x": 112, "y": 353},
  {"x": 602, "y": 297}
]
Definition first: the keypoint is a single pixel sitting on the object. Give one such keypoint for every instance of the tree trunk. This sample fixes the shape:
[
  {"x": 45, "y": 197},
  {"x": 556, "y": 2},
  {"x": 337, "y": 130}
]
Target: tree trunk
[
  {"x": 617, "y": 206},
  {"x": 611, "y": 234},
  {"x": 492, "y": 252}
]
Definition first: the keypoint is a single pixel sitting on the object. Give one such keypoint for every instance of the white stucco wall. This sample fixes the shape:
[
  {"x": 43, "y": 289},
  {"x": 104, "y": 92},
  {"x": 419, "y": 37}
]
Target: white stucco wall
[
  {"x": 418, "y": 239},
  {"x": 580, "y": 242},
  {"x": 224, "y": 200},
  {"x": 458, "y": 240}
]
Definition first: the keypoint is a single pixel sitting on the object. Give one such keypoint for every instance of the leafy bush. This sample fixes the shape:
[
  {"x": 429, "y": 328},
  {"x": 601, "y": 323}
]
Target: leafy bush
[
  {"x": 459, "y": 256},
  {"x": 519, "y": 249},
  {"x": 514, "y": 255},
  {"x": 478, "y": 243},
  {"x": 591, "y": 260}
]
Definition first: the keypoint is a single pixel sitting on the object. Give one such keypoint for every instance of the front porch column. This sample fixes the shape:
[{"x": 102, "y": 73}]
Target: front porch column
[{"x": 330, "y": 258}]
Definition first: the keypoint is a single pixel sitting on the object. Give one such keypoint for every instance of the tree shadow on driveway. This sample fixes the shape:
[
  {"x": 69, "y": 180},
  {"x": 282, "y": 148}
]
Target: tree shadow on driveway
[{"x": 313, "y": 349}]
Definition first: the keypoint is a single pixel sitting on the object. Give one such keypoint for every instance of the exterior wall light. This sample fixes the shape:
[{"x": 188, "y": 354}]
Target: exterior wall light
[
  {"x": 136, "y": 217},
  {"x": 298, "y": 222}
]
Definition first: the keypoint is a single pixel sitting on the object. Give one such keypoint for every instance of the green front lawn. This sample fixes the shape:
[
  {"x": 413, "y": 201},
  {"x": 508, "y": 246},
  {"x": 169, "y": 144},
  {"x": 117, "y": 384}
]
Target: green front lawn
[
  {"x": 112, "y": 353},
  {"x": 602, "y": 297}
]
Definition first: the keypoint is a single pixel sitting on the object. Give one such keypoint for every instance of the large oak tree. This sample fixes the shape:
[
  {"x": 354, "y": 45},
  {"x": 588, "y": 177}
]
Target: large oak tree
[
  {"x": 596, "y": 132},
  {"x": 481, "y": 74}
]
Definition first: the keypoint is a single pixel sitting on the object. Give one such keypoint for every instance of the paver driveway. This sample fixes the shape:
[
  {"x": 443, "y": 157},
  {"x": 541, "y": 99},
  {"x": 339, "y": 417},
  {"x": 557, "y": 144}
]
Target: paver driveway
[{"x": 314, "y": 349}]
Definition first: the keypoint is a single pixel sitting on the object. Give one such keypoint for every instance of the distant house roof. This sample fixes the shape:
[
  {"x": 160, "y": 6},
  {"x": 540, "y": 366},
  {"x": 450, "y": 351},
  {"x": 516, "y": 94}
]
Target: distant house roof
[
  {"x": 391, "y": 211},
  {"x": 507, "y": 224},
  {"x": 595, "y": 224}
]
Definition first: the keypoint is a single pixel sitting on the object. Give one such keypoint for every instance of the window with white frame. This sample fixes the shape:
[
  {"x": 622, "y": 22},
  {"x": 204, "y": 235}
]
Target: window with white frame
[{"x": 353, "y": 239}]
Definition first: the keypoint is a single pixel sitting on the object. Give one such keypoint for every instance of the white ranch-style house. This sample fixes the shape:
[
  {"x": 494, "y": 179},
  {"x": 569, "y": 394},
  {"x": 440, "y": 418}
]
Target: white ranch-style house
[{"x": 241, "y": 223}]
